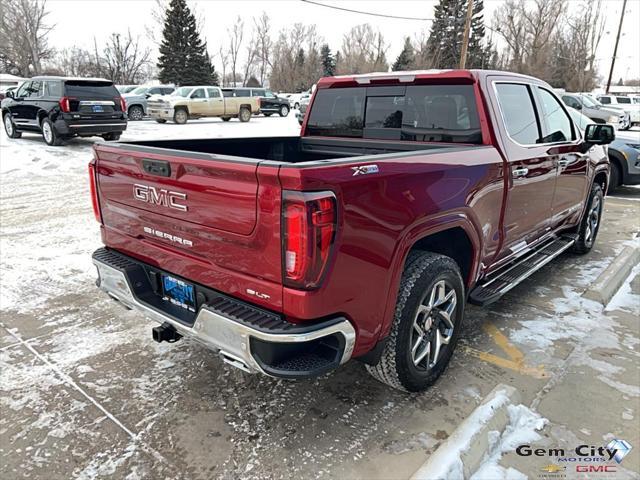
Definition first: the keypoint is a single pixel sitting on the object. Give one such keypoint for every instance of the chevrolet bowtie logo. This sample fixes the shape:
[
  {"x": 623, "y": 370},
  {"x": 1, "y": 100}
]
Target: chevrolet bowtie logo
[{"x": 553, "y": 468}]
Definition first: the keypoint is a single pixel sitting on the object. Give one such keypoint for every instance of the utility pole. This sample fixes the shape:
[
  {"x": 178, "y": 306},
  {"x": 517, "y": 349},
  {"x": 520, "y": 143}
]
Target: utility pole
[
  {"x": 465, "y": 38},
  {"x": 615, "y": 49}
]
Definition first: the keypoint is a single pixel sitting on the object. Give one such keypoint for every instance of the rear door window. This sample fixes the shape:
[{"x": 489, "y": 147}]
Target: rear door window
[
  {"x": 337, "y": 112},
  {"x": 556, "y": 123},
  {"x": 518, "y": 113},
  {"x": 213, "y": 92},
  {"x": 623, "y": 99},
  {"x": 94, "y": 90},
  {"x": 52, "y": 88}
]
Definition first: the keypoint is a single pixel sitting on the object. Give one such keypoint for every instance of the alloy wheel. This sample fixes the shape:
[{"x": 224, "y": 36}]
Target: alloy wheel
[
  {"x": 8, "y": 124},
  {"x": 47, "y": 133},
  {"x": 593, "y": 219},
  {"x": 433, "y": 325}
]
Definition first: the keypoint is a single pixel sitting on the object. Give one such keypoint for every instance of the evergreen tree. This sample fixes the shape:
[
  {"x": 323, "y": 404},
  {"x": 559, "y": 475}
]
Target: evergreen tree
[
  {"x": 184, "y": 59},
  {"x": 447, "y": 32},
  {"x": 407, "y": 58},
  {"x": 328, "y": 62}
]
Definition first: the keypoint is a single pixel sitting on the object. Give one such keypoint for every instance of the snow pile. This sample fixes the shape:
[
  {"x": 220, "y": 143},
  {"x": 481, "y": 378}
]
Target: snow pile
[{"x": 522, "y": 429}]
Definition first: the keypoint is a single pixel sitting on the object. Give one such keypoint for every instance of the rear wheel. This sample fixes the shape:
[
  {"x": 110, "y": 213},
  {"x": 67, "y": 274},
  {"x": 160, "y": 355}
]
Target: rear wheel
[
  {"x": 426, "y": 324},
  {"x": 590, "y": 223},
  {"x": 111, "y": 137},
  {"x": 10, "y": 128},
  {"x": 49, "y": 133},
  {"x": 180, "y": 116},
  {"x": 136, "y": 112},
  {"x": 284, "y": 111},
  {"x": 244, "y": 115}
]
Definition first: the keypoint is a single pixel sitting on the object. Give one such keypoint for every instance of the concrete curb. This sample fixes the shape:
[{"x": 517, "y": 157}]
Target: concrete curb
[
  {"x": 466, "y": 447},
  {"x": 609, "y": 281}
]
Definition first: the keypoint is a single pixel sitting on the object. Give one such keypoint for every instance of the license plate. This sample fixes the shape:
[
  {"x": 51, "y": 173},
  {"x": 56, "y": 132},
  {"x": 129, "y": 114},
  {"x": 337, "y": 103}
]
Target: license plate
[
  {"x": 98, "y": 108},
  {"x": 179, "y": 293}
]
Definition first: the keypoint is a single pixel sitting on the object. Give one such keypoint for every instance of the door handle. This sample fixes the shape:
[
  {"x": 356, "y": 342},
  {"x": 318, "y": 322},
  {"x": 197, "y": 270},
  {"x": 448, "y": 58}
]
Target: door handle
[{"x": 520, "y": 172}]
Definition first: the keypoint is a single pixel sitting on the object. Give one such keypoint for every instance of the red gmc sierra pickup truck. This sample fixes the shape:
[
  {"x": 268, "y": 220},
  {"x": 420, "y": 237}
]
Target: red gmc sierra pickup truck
[{"x": 406, "y": 195}]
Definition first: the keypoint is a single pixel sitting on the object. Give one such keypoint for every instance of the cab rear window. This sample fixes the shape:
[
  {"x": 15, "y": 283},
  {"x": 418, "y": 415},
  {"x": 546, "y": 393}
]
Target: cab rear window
[
  {"x": 424, "y": 113},
  {"x": 90, "y": 90}
]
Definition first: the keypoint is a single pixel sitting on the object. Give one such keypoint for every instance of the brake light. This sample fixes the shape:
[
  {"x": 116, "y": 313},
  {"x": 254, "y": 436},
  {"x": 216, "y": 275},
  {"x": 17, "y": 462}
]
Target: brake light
[
  {"x": 123, "y": 104},
  {"x": 309, "y": 225},
  {"x": 93, "y": 188},
  {"x": 64, "y": 104}
]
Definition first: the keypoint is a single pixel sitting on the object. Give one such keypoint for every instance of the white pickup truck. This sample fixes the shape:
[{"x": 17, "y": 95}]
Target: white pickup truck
[
  {"x": 201, "y": 101},
  {"x": 624, "y": 103}
]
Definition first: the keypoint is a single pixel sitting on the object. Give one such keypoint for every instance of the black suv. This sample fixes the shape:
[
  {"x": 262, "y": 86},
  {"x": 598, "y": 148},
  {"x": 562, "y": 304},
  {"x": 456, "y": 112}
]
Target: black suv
[
  {"x": 61, "y": 108},
  {"x": 270, "y": 103}
]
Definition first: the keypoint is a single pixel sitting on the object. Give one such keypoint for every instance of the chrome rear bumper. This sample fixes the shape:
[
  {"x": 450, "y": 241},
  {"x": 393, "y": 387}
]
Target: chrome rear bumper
[{"x": 233, "y": 340}]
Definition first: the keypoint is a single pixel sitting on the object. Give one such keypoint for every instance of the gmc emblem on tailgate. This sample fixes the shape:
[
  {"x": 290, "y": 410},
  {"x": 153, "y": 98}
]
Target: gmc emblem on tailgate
[{"x": 159, "y": 196}]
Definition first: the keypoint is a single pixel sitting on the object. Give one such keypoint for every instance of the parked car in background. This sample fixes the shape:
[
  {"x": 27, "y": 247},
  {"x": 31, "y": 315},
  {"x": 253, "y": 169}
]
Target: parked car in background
[
  {"x": 302, "y": 109},
  {"x": 295, "y": 99},
  {"x": 202, "y": 101},
  {"x": 60, "y": 108},
  {"x": 271, "y": 103},
  {"x": 126, "y": 88},
  {"x": 624, "y": 156},
  {"x": 633, "y": 109},
  {"x": 365, "y": 236},
  {"x": 595, "y": 111},
  {"x": 137, "y": 99}
]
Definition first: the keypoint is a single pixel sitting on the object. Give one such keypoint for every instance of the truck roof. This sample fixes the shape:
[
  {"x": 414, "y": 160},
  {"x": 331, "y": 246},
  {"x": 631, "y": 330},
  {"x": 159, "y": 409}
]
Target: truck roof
[{"x": 413, "y": 75}]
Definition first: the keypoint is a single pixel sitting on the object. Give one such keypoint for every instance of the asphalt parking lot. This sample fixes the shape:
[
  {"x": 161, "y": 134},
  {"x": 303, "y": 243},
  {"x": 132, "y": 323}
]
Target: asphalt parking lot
[{"x": 86, "y": 393}]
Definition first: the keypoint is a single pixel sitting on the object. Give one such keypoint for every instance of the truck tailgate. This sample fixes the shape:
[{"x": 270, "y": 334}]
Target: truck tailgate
[{"x": 176, "y": 210}]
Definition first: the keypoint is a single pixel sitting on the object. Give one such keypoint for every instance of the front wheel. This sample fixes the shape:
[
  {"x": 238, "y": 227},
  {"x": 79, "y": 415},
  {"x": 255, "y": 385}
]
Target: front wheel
[
  {"x": 10, "y": 128},
  {"x": 590, "y": 223},
  {"x": 244, "y": 115},
  {"x": 49, "y": 133},
  {"x": 180, "y": 116},
  {"x": 284, "y": 111},
  {"x": 426, "y": 324}
]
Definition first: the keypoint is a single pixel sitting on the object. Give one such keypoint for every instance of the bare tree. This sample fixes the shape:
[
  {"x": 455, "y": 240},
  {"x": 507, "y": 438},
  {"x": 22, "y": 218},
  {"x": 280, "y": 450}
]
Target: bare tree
[
  {"x": 236, "y": 35},
  {"x": 75, "y": 62},
  {"x": 296, "y": 63},
  {"x": 23, "y": 36},
  {"x": 264, "y": 45},
  {"x": 252, "y": 50},
  {"x": 224, "y": 60},
  {"x": 125, "y": 60},
  {"x": 363, "y": 51}
]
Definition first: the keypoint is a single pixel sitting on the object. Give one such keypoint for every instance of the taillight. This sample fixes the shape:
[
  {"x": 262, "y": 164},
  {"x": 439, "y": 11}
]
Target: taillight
[
  {"x": 64, "y": 104},
  {"x": 309, "y": 225},
  {"x": 123, "y": 104},
  {"x": 93, "y": 188}
]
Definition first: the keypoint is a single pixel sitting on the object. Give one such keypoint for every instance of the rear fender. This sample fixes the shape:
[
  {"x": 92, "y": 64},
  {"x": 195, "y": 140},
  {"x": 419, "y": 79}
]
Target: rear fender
[{"x": 413, "y": 235}]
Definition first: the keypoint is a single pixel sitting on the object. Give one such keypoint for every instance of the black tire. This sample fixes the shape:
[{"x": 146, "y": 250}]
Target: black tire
[
  {"x": 180, "y": 116},
  {"x": 284, "y": 111},
  {"x": 161, "y": 120},
  {"x": 590, "y": 223},
  {"x": 244, "y": 115},
  {"x": 225, "y": 119},
  {"x": 49, "y": 133},
  {"x": 423, "y": 275},
  {"x": 136, "y": 113},
  {"x": 615, "y": 177},
  {"x": 10, "y": 127},
  {"x": 268, "y": 114},
  {"x": 111, "y": 137}
]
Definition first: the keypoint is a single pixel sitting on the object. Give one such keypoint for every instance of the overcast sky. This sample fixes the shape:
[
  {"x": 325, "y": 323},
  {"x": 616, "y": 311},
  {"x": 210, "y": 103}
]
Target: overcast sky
[{"x": 78, "y": 21}]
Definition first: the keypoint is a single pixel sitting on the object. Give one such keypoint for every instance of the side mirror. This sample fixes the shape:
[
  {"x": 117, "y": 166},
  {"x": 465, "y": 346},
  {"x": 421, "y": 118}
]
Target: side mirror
[{"x": 599, "y": 134}]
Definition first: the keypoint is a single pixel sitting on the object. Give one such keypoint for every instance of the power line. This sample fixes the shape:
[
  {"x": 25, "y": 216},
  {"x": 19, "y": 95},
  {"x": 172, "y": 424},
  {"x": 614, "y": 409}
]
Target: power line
[{"x": 368, "y": 13}]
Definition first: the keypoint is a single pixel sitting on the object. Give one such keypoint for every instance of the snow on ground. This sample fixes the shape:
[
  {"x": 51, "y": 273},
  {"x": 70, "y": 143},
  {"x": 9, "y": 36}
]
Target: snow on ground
[{"x": 56, "y": 259}]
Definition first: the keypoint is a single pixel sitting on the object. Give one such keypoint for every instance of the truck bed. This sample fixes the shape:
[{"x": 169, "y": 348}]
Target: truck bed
[{"x": 285, "y": 149}]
